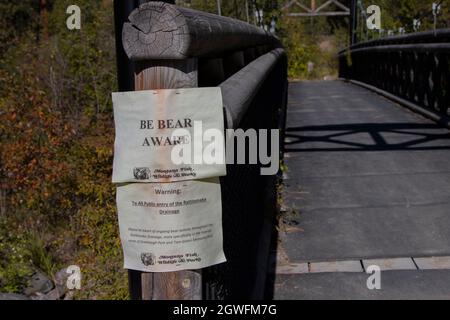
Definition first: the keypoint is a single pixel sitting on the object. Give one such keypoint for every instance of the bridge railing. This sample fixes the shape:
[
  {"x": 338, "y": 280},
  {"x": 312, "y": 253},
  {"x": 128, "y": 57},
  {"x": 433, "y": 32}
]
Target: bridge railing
[
  {"x": 413, "y": 69},
  {"x": 176, "y": 47}
]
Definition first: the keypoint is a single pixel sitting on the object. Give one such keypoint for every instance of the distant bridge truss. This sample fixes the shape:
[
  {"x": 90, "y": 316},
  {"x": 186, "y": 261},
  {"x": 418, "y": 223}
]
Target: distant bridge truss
[{"x": 316, "y": 8}]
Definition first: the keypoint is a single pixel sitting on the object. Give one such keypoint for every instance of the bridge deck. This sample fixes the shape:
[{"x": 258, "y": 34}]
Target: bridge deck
[{"x": 369, "y": 179}]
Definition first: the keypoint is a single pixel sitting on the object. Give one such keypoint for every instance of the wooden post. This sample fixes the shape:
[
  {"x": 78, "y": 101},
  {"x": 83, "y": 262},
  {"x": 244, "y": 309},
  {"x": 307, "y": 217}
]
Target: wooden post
[
  {"x": 161, "y": 40},
  {"x": 125, "y": 81},
  {"x": 125, "y": 74},
  {"x": 160, "y": 31},
  {"x": 183, "y": 285}
]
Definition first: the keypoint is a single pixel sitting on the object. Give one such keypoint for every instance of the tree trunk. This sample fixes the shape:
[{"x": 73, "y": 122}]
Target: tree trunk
[{"x": 43, "y": 11}]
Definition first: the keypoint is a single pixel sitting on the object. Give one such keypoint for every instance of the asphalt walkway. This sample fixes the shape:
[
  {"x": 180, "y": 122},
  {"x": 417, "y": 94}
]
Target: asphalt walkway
[{"x": 367, "y": 179}]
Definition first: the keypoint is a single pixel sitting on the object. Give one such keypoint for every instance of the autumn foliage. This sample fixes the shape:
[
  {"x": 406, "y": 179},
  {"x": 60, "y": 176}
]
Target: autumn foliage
[{"x": 56, "y": 148}]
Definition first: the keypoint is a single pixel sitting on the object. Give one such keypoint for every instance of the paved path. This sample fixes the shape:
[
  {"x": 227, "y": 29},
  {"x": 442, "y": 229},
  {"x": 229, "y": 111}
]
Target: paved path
[{"x": 367, "y": 179}]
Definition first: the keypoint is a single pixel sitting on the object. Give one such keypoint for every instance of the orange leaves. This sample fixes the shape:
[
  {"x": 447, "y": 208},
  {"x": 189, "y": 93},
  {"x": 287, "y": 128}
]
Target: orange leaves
[
  {"x": 54, "y": 165},
  {"x": 85, "y": 241},
  {"x": 33, "y": 152},
  {"x": 55, "y": 157}
]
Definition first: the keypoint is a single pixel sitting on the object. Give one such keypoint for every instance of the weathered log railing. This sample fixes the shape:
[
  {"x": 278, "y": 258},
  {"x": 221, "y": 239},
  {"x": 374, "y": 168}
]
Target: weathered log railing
[
  {"x": 412, "y": 69},
  {"x": 175, "y": 47}
]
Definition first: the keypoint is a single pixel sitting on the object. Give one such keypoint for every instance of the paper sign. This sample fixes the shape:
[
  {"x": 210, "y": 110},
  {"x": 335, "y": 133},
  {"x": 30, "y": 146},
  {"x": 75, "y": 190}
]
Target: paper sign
[
  {"x": 167, "y": 227},
  {"x": 150, "y": 124}
]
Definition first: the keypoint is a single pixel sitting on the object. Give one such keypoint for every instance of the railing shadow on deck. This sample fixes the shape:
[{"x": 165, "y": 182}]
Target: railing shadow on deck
[{"x": 379, "y": 137}]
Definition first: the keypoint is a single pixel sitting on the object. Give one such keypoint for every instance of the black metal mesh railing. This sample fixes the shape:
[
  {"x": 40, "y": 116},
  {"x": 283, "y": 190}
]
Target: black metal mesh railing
[{"x": 414, "y": 67}]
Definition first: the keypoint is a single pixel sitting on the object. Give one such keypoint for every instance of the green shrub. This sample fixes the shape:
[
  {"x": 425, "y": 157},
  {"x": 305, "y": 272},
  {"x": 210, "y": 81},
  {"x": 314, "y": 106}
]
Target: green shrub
[{"x": 15, "y": 259}]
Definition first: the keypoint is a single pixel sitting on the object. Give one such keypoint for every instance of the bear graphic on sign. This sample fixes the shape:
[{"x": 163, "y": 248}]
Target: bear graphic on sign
[
  {"x": 142, "y": 173},
  {"x": 148, "y": 259}
]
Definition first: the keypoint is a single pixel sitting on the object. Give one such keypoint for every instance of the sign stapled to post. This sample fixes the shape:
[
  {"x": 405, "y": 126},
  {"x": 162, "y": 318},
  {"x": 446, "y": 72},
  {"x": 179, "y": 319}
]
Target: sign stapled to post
[
  {"x": 171, "y": 226},
  {"x": 169, "y": 153},
  {"x": 162, "y": 135}
]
